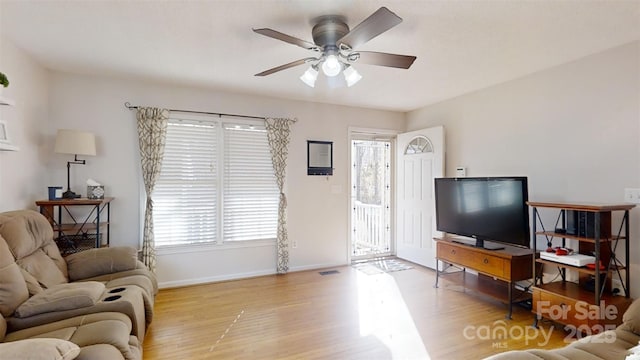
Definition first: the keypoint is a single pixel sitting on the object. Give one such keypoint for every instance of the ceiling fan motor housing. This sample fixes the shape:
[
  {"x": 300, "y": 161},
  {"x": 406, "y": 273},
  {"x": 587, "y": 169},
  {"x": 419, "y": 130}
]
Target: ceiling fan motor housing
[{"x": 328, "y": 31}]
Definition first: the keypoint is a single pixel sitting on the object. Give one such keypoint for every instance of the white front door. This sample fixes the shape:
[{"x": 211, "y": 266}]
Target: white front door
[{"x": 420, "y": 156}]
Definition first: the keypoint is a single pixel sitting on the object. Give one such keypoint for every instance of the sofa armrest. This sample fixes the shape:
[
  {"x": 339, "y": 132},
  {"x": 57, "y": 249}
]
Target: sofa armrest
[
  {"x": 102, "y": 261},
  {"x": 62, "y": 297},
  {"x": 54, "y": 349}
]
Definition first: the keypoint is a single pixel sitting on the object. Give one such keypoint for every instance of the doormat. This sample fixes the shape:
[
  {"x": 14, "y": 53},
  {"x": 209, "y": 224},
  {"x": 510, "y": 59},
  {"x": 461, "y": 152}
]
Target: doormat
[
  {"x": 382, "y": 266},
  {"x": 390, "y": 265},
  {"x": 368, "y": 269}
]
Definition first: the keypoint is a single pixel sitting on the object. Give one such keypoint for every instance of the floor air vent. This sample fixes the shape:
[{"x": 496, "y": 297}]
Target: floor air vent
[{"x": 329, "y": 272}]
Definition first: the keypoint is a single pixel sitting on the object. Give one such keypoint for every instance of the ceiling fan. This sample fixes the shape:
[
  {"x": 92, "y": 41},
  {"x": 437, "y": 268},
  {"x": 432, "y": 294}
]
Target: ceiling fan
[{"x": 335, "y": 46}]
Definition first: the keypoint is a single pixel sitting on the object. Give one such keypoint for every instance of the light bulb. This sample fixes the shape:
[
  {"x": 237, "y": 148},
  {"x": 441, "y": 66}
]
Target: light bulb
[
  {"x": 309, "y": 77},
  {"x": 331, "y": 66},
  {"x": 351, "y": 76}
]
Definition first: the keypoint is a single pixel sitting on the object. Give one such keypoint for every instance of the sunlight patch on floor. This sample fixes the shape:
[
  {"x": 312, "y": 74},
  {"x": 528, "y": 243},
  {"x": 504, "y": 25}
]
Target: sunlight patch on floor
[{"x": 384, "y": 315}]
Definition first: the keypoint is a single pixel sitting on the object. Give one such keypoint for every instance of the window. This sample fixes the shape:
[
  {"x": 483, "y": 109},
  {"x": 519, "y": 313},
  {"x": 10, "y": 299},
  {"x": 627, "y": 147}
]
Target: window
[
  {"x": 419, "y": 145},
  {"x": 250, "y": 192},
  {"x": 216, "y": 184}
]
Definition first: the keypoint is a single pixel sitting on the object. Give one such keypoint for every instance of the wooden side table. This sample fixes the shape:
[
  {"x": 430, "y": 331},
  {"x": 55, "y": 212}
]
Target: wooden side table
[{"x": 74, "y": 233}]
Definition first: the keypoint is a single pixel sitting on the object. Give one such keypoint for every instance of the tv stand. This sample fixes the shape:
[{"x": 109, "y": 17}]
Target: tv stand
[
  {"x": 498, "y": 270},
  {"x": 479, "y": 243}
]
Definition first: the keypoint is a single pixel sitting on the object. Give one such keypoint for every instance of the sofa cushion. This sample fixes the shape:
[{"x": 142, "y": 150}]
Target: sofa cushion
[
  {"x": 13, "y": 289},
  {"x": 111, "y": 332},
  {"x": 40, "y": 266},
  {"x": 103, "y": 352},
  {"x": 33, "y": 285},
  {"x": 95, "y": 262},
  {"x": 104, "y": 335},
  {"x": 39, "y": 349},
  {"x": 62, "y": 297},
  {"x": 25, "y": 231},
  {"x": 29, "y": 234},
  {"x": 631, "y": 318}
]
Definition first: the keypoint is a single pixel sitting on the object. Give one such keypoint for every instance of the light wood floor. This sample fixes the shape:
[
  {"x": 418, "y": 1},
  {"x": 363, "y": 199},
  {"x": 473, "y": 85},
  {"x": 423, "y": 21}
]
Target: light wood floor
[{"x": 348, "y": 315}]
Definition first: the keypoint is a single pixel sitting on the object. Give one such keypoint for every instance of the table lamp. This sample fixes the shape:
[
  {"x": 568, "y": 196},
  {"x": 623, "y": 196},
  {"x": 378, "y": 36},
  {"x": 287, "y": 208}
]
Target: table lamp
[{"x": 77, "y": 143}]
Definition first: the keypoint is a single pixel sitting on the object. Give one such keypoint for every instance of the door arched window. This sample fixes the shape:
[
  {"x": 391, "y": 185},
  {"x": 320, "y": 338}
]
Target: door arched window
[{"x": 419, "y": 145}]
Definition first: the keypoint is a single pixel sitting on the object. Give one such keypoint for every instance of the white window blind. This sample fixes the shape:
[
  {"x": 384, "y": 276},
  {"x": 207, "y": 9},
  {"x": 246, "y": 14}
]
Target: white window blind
[
  {"x": 216, "y": 184},
  {"x": 250, "y": 191},
  {"x": 185, "y": 195}
]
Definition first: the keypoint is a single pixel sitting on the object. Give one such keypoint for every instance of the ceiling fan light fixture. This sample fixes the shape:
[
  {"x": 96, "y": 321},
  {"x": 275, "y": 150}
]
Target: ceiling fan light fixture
[
  {"x": 331, "y": 66},
  {"x": 351, "y": 75},
  {"x": 310, "y": 76},
  {"x": 335, "y": 45}
]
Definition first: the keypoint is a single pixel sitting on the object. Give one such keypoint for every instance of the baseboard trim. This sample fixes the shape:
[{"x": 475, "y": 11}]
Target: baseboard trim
[
  {"x": 213, "y": 279},
  {"x": 239, "y": 276},
  {"x": 315, "y": 267}
]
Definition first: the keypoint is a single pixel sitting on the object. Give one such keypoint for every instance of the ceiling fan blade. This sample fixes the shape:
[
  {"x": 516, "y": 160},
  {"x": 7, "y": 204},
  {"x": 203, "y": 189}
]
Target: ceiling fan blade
[
  {"x": 283, "y": 67},
  {"x": 380, "y": 21},
  {"x": 287, "y": 38},
  {"x": 385, "y": 59}
]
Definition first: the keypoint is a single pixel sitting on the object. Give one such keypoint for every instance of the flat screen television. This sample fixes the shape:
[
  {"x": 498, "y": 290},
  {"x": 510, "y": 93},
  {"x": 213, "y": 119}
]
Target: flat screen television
[{"x": 485, "y": 209}]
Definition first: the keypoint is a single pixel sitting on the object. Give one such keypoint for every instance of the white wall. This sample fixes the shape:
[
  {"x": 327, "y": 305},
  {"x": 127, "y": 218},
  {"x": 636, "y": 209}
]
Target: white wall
[
  {"x": 574, "y": 130},
  {"x": 317, "y": 217},
  {"x": 21, "y": 172}
]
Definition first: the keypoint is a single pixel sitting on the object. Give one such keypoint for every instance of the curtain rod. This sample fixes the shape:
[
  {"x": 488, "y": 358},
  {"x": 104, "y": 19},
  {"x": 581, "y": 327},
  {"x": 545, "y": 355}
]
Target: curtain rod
[{"x": 131, "y": 107}]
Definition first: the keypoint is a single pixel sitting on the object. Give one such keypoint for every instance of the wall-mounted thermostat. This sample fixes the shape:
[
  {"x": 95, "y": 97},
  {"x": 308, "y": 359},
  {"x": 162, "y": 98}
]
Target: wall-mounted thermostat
[{"x": 461, "y": 171}]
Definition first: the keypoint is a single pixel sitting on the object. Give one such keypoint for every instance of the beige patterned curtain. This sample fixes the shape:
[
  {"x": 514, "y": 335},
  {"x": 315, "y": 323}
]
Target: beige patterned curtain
[
  {"x": 278, "y": 134},
  {"x": 152, "y": 132}
]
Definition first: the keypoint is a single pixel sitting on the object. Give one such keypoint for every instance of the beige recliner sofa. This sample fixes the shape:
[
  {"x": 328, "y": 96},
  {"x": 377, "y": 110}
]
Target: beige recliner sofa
[
  {"x": 43, "y": 293},
  {"x": 101, "y": 336},
  {"x": 30, "y": 239},
  {"x": 608, "y": 345}
]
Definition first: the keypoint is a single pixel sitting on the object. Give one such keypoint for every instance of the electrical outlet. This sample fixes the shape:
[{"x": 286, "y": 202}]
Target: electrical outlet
[
  {"x": 632, "y": 195},
  {"x": 617, "y": 284},
  {"x": 294, "y": 244}
]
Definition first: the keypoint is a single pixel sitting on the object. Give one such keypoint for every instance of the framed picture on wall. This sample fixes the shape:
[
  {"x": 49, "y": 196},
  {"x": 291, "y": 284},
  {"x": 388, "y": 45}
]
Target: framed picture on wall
[
  {"x": 4, "y": 136},
  {"x": 5, "y": 140},
  {"x": 319, "y": 157}
]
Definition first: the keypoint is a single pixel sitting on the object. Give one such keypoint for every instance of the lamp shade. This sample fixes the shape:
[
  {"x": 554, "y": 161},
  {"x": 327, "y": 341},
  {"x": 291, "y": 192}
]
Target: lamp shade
[
  {"x": 351, "y": 76},
  {"x": 309, "y": 77},
  {"x": 75, "y": 142}
]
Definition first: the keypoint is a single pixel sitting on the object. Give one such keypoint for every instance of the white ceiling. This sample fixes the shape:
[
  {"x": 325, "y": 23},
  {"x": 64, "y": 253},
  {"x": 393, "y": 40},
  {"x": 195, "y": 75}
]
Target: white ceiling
[{"x": 461, "y": 46}]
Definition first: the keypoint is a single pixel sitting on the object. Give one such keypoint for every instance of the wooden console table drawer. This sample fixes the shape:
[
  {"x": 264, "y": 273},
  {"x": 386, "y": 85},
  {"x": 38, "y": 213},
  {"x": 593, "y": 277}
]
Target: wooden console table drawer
[{"x": 484, "y": 263}]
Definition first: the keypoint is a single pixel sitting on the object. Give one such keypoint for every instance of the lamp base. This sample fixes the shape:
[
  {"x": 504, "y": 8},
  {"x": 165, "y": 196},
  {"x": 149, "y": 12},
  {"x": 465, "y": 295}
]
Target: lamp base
[{"x": 70, "y": 195}]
